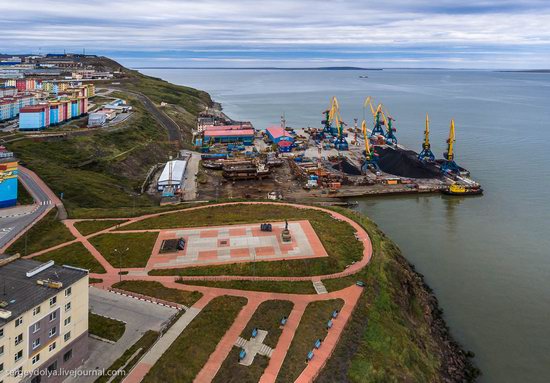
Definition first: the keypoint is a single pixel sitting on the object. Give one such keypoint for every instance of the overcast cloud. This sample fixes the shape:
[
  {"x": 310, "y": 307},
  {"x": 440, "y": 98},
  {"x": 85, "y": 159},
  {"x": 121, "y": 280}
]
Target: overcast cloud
[{"x": 414, "y": 33}]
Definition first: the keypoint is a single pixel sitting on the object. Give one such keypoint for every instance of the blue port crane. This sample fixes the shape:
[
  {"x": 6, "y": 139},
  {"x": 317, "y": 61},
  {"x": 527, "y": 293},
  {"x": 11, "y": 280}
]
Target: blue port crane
[
  {"x": 389, "y": 134},
  {"x": 376, "y": 114},
  {"x": 340, "y": 142},
  {"x": 371, "y": 158},
  {"x": 426, "y": 155},
  {"x": 449, "y": 165}
]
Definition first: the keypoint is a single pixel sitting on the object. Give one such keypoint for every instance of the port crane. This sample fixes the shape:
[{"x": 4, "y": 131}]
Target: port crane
[
  {"x": 426, "y": 154},
  {"x": 328, "y": 128},
  {"x": 371, "y": 158},
  {"x": 334, "y": 116},
  {"x": 449, "y": 165},
  {"x": 390, "y": 130},
  {"x": 376, "y": 114}
]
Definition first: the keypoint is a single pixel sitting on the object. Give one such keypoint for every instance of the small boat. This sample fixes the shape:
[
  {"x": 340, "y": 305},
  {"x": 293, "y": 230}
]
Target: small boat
[
  {"x": 364, "y": 76},
  {"x": 457, "y": 189}
]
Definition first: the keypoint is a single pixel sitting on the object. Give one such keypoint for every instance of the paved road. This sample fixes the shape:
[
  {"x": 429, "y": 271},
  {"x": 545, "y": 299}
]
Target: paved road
[
  {"x": 139, "y": 316},
  {"x": 167, "y": 123},
  {"x": 11, "y": 227}
]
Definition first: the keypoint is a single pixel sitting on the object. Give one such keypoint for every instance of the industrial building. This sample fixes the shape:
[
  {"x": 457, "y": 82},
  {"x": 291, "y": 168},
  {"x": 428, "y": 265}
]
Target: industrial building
[
  {"x": 225, "y": 136},
  {"x": 8, "y": 179},
  {"x": 279, "y": 136},
  {"x": 43, "y": 320},
  {"x": 172, "y": 175}
]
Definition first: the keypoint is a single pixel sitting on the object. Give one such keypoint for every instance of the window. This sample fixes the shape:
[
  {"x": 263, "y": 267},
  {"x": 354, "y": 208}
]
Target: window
[
  {"x": 52, "y": 367},
  {"x": 1, "y": 367},
  {"x": 68, "y": 292},
  {"x": 68, "y": 355},
  {"x": 36, "y": 379},
  {"x": 1, "y": 332},
  {"x": 67, "y": 321},
  {"x": 18, "y": 339},
  {"x": 36, "y": 310},
  {"x": 53, "y": 316},
  {"x": 67, "y": 336},
  {"x": 18, "y": 356},
  {"x": 35, "y": 327},
  {"x": 35, "y": 358},
  {"x": 52, "y": 332},
  {"x": 18, "y": 372},
  {"x": 68, "y": 306},
  {"x": 51, "y": 347},
  {"x": 35, "y": 343},
  {"x": 1, "y": 350},
  {"x": 18, "y": 321},
  {"x": 53, "y": 301}
]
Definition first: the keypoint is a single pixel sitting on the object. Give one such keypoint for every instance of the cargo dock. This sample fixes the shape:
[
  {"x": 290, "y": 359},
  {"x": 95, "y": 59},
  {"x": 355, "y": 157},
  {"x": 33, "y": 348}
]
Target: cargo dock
[{"x": 330, "y": 162}]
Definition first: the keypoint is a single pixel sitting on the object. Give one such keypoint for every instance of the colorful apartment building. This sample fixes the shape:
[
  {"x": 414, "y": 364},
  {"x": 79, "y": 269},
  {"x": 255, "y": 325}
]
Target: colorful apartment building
[
  {"x": 8, "y": 178},
  {"x": 41, "y": 116},
  {"x": 10, "y": 106},
  {"x": 43, "y": 320}
]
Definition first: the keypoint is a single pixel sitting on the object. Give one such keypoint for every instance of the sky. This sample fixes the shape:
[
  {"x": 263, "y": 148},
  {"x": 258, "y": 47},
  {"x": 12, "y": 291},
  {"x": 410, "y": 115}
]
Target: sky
[{"x": 482, "y": 34}]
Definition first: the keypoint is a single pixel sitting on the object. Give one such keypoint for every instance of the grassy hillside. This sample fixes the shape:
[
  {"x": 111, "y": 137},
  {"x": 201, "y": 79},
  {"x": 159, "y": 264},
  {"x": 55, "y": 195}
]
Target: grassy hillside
[
  {"x": 396, "y": 333},
  {"x": 105, "y": 168}
]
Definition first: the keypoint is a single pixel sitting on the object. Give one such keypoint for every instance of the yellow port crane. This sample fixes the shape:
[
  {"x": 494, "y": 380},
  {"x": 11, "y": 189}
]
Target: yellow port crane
[
  {"x": 449, "y": 165},
  {"x": 371, "y": 159},
  {"x": 334, "y": 115},
  {"x": 426, "y": 154},
  {"x": 376, "y": 114}
]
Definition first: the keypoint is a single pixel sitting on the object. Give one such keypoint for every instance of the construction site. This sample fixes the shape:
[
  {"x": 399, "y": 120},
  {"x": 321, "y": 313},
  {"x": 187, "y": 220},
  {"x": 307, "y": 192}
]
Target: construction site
[{"x": 333, "y": 161}]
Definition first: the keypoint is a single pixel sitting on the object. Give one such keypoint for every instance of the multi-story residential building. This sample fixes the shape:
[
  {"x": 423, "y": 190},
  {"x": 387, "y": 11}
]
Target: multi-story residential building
[
  {"x": 43, "y": 320},
  {"x": 10, "y": 106}
]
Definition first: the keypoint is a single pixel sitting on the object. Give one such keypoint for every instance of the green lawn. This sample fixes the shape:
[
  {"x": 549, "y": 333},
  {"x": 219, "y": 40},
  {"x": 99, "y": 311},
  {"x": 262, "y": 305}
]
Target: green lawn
[
  {"x": 105, "y": 328},
  {"x": 95, "y": 280},
  {"x": 90, "y": 227},
  {"x": 337, "y": 237},
  {"x": 300, "y": 287},
  {"x": 75, "y": 255},
  {"x": 23, "y": 196},
  {"x": 267, "y": 317},
  {"x": 143, "y": 344},
  {"x": 47, "y": 232},
  {"x": 157, "y": 290},
  {"x": 187, "y": 355},
  {"x": 139, "y": 247},
  {"x": 312, "y": 327}
]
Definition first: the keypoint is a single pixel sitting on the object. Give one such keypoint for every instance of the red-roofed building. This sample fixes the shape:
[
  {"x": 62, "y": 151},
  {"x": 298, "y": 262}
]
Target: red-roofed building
[{"x": 277, "y": 134}]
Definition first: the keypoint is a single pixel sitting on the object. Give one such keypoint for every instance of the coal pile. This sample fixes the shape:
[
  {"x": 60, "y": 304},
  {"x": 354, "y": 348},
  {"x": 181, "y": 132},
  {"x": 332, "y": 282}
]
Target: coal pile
[
  {"x": 346, "y": 167},
  {"x": 404, "y": 163}
]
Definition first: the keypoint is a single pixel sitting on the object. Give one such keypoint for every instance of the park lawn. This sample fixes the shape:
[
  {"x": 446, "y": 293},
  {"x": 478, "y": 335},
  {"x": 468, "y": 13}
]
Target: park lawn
[
  {"x": 105, "y": 328},
  {"x": 93, "y": 226},
  {"x": 139, "y": 245},
  {"x": 337, "y": 237},
  {"x": 23, "y": 196},
  {"x": 46, "y": 233},
  {"x": 267, "y": 317},
  {"x": 143, "y": 344},
  {"x": 157, "y": 290},
  {"x": 313, "y": 326},
  {"x": 95, "y": 280},
  {"x": 187, "y": 355},
  {"x": 297, "y": 287},
  {"x": 75, "y": 255}
]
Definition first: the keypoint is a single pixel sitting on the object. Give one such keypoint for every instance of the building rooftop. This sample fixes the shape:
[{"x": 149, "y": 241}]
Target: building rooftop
[
  {"x": 22, "y": 292},
  {"x": 277, "y": 131},
  {"x": 232, "y": 133}
]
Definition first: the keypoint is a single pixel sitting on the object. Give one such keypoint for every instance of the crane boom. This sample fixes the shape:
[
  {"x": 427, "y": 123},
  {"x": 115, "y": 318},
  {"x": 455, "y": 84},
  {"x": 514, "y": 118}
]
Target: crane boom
[
  {"x": 367, "y": 146},
  {"x": 427, "y": 132},
  {"x": 450, "y": 142},
  {"x": 368, "y": 102}
]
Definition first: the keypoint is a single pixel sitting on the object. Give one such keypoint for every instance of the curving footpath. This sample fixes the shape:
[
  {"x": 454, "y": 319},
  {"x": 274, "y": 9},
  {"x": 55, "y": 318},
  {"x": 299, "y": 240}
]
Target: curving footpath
[{"x": 349, "y": 295}]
